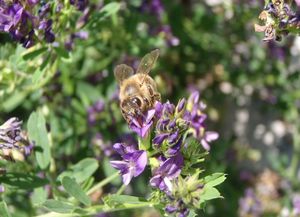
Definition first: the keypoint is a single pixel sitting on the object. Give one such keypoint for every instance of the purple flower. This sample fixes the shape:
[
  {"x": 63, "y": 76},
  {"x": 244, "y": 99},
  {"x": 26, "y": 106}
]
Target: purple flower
[
  {"x": 94, "y": 111},
  {"x": 18, "y": 22},
  {"x": 170, "y": 128},
  {"x": 141, "y": 124},
  {"x": 178, "y": 207},
  {"x": 208, "y": 137},
  {"x": 296, "y": 204},
  {"x": 10, "y": 133},
  {"x": 46, "y": 25},
  {"x": 106, "y": 148},
  {"x": 166, "y": 172},
  {"x": 167, "y": 34},
  {"x": 21, "y": 24},
  {"x": 195, "y": 116},
  {"x": 2, "y": 189},
  {"x": 124, "y": 149},
  {"x": 79, "y": 4},
  {"x": 32, "y": 2},
  {"x": 249, "y": 205},
  {"x": 11, "y": 137},
  {"x": 154, "y": 7},
  {"x": 133, "y": 165}
]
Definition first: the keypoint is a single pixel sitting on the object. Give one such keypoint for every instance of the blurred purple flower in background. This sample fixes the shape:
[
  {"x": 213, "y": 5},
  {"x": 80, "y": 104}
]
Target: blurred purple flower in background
[
  {"x": 18, "y": 20},
  {"x": 296, "y": 204},
  {"x": 2, "y": 189},
  {"x": 94, "y": 111},
  {"x": 249, "y": 204},
  {"x": 155, "y": 8},
  {"x": 69, "y": 43},
  {"x": 79, "y": 4},
  {"x": 105, "y": 147}
]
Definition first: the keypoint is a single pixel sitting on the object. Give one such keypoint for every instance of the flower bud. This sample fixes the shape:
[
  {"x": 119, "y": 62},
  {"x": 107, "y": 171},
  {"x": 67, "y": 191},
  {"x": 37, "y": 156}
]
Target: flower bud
[{"x": 180, "y": 108}]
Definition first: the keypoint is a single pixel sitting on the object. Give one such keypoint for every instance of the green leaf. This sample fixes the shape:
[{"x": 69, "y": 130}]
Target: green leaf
[
  {"x": 75, "y": 190},
  {"x": 87, "y": 93},
  {"x": 38, "y": 74},
  {"x": 45, "y": 62},
  {"x": 209, "y": 193},
  {"x": 23, "y": 180},
  {"x": 107, "y": 11},
  {"x": 35, "y": 53},
  {"x": 12, "y": 102},
  {"x": 82, "y": 170},
  {"x": 110, "y": 9},
  {"x": 62, "y": 52},
  {"x": 192, "y": 213},
  {"x": 39, "y": 196},
  {"x": 4, "y": 210},
  {"x": 38, "y": 133},
  {"x": 214, "y": 179},
  {"x": 58, "y": 206}
]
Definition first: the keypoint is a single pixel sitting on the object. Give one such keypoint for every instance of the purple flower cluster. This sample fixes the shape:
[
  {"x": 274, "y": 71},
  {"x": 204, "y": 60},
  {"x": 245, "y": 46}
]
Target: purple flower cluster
[
  {"x": 11, "y": 138},
  {"x": 173, "y": 125},
  {"x": 279, "y": 20},
  {"x": 170, "y": 128},
  {"x": 156, "y": 9},
  {"x": 18, "y": 19}
]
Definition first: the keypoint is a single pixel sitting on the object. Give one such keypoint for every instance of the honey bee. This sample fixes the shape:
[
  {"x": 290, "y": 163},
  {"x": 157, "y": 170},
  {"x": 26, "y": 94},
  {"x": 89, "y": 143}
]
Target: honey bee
[{"x": 138, "y": 92}]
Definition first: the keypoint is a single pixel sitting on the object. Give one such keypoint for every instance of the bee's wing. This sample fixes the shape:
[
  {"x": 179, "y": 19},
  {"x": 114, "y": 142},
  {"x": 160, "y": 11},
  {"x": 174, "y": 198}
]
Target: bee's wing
[
  {"x": 122, "y": 72},
  {"x": 148, "y": 62}
]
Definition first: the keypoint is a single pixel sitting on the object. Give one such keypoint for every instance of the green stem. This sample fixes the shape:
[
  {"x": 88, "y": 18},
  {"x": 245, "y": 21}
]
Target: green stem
[
  {"x": 296, "y": 146},
  {"x": 102, "y": 183},
  {"x": 99, "y": 208},
  {"x": 121, "y": 189}
]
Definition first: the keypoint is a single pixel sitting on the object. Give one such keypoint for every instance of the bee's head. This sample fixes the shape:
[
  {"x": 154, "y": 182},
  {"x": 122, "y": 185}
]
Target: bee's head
[{"x": 132, "y": 106}]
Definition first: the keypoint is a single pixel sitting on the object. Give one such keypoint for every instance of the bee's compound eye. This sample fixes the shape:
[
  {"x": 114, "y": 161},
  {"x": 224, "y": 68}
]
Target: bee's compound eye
[{"x": 136, "y": 101}]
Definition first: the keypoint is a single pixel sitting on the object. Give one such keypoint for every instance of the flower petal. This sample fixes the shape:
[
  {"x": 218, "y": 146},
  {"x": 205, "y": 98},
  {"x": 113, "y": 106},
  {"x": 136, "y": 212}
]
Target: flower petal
[{"x": 140, "y": 163}]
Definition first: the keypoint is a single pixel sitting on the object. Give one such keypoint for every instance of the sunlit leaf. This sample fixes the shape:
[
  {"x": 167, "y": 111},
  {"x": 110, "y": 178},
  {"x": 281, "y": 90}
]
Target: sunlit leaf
[
  {"x": 214, "y": 179},
  {"x": 4, "y": 210}
]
